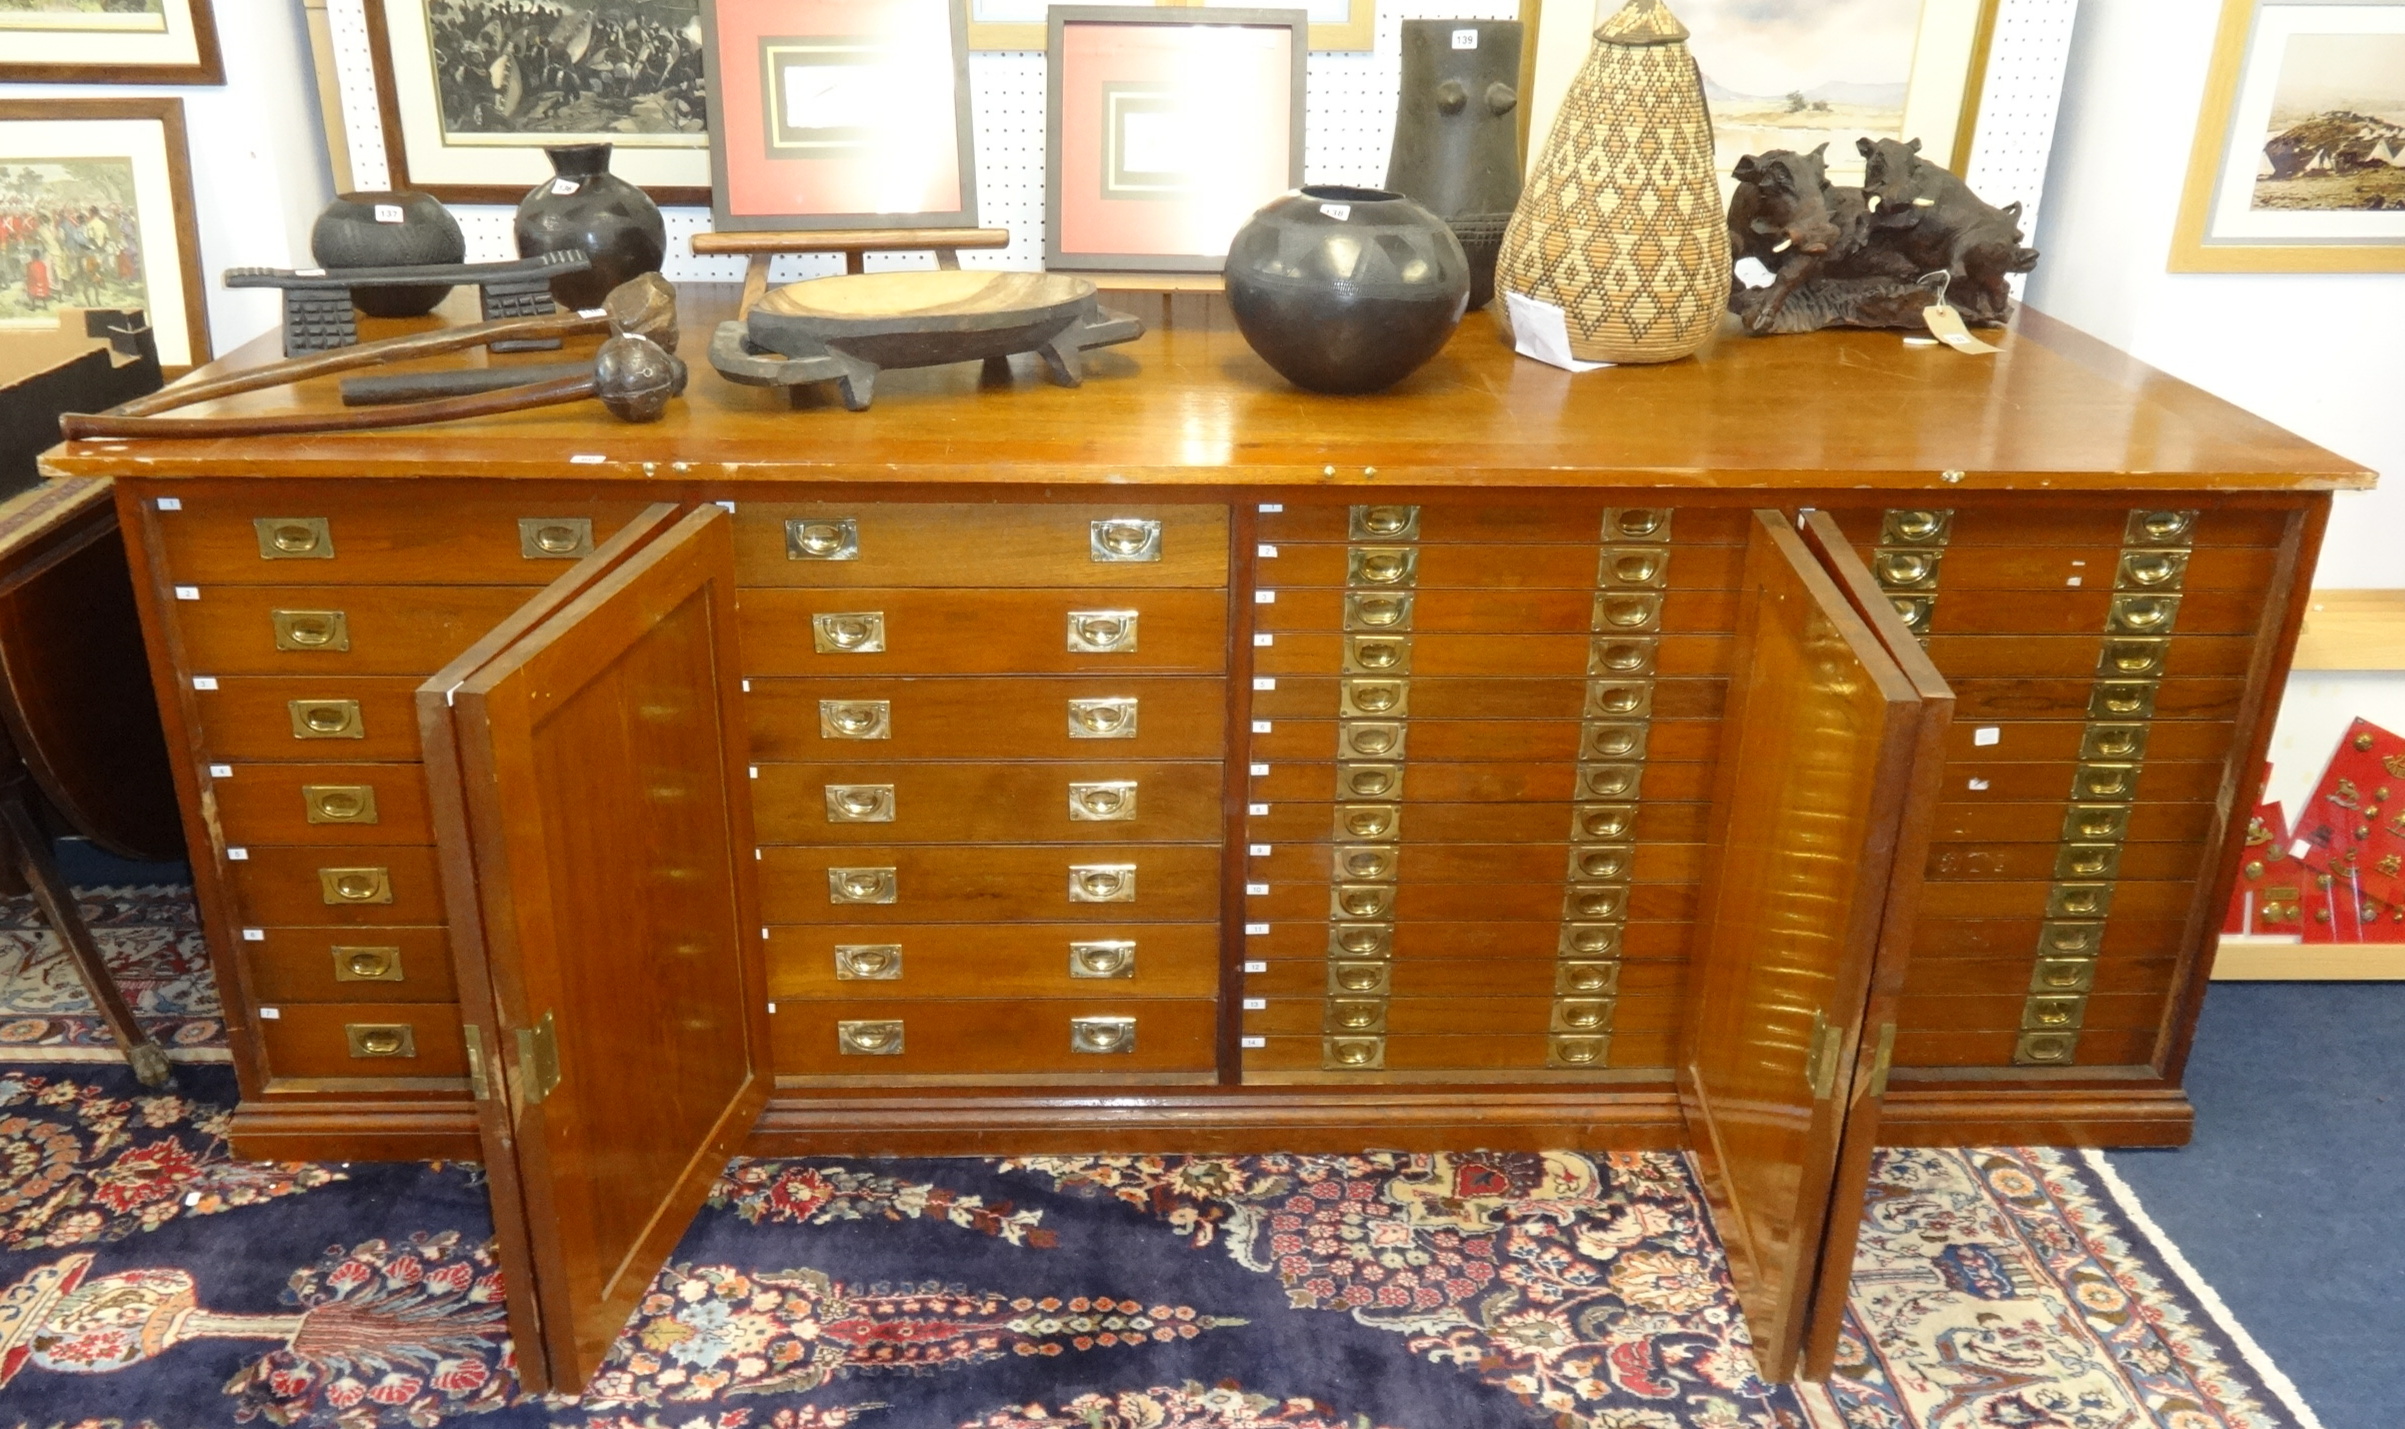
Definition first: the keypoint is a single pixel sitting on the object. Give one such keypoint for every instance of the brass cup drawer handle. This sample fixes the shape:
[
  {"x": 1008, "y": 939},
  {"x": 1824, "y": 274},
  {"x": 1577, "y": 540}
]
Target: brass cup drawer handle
[
  {"x": 1633, "y": 566},
  {"x": 855, "y": 719},
  {"x": 1611, "y": 781},
  {"x": 1366, "y": 862},
  {"x": 1577, "y": 1051},
  {"x": 1617, "y": 699},
  {"x": 294, "y": 538},
  {"x": 1614, "y": 739},
  {"x": 1123, "y": 539},
  {"x": 1591, "y": 940},
  {"x": 2079, "y": 940},
  {"x": 2114, "y": 783},
  {"x": 311, "y": 630},
  {"x": 2079, "y": 900},
  {"x": 1363, "y": 900},
  {"x": 1102, "y": 883},
  {"x": 1382, "y": 565},
  {"x": 1377, "y": 612},
  {"x": 1605, "y": 823},
  {"x": 860, "y": 803},
  {"x": 381, "y": 1039},
  {"x": 367, "y": 965},
  {"x": 2096, "y": 823},
  {"x": 1102, "y": 718},
  {"x": 1369, "y": 821},
  {"x": 341, "y": 886},
  {"x": 1383, "y": 523},
  {"x": 1369, "y": 781},
  {"x": 2153, "y": 570},
  {"x": 1378, "y": 699},
  {"x": 339, "y": 803},
  {"x": 868, "y": 962},
  {"x": 862, "y": 885},
  {"x": 1361, "y": 940},
  {"x": 1602, "y": 864},
  {"x": 555, "y": 538},
  {"x": 1627, "y": 612},
  {"x": 1102, "y": 801},
  {"x": 2113, "y": 741},
  {"x": 1102, "y": 632},
  {"x": 1582, "y": 1014},
  {"x": 1103, "y": 958},
  {"x": 1377, "y": 654},
  {"x": 848, "y": 632},
  {"x": 1359, "y": 979},
  {"x": 1372, "y": 739},
  {"x": 2046, "y": 1049},
  {"x": 2142, "y": 615},
  {"x": 1102, "y": 1036},
  {"x": 2134, "y": 656},
  {"x": 1916, "y": 611},
  {"x": 326, "y": 719},
  {"x": 2053, "y": 1012},
  {"x": 1352, "y": 1015},
  {"x": 1604, "y": 900},
  {"x": 2159, "y": 528},
  {"x": 1636, "y": 523},
  {"x": 1353, "y": 1054},
  {"x": 2063, "y": 975},
  {"x": 1586, "y": 979},
  {"x": 1915, "y": 528},
  {"x": 822, "y": 538},
  {"x": 865, "y": 1038},
  {"x": 2122, "y": 699},
  {"x": 1906, "y": 569}
]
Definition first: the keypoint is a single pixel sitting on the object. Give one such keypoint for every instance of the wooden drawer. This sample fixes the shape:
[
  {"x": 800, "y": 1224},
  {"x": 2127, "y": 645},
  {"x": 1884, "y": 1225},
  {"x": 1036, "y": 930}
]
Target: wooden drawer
[
  {"x": 997, "y": 1040},
  {"x": 991, "y": 803},
  {"x": 1440, "y": 654},
  {"x": 1005, "y": 960},
  {"x": 1992, "y": 1012},
  {"x": 986, "y": 632},
  {"x": 1175, "y": 718},
  {"x": 1481, "y": 862},
  {"x": 1939, "y": 1050},
  {"x": 2077, "y": 656},
  {"x": 1577, "y": 522},
  {"x": 2037, "y": 860},
  {"x": 393, "y": 883},
  {"x": 1521, "y": 566},
  {"x": 1466, "y": 1059},
  {"x": 1431, "y": 783},
  {"x": 1504, "y": 612},
  {"x": 337, "y": 630},
  {"x": 2062, "y": 739},
  {"x": 993, "y": 883},
  {"x": 322, "y": 804},
  {"x": 2160, "y": 781},
  {"x": 1513, "y": 1017},
  {"x": 1475, "y": 977},
  {"x": 1977, "y": 566},
  {"x": 1952, "y": 898},
  {"x": 2075, "y": 612},
  {"x": 254, "y": 717},
  {"x": 2097, "y": 524},
  {"x": 397, "y": 533},
  {"x": 1667, "y": 741},
  {"x": 391, "y": 964},
  {"x": 1317, "y": 696},
  {"x": 1309, "y": 822},
  {"x": 1466, "y": 902},
  {"x": 2071, "y": 699},
  {"x": 1972, "y": 936},
  {"x": 1306, "y": 939},
  {"x": 317, "y": 1041},
  {"x": 978, "y": 544},
  {"x": 2012, "y": 976},
  {"x": 2037, "y": 822}
]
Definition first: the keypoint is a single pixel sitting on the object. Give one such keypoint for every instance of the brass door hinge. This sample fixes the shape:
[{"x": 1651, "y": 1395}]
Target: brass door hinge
[
  {"x": 481, "y": 1088},
  {"x": 538, "y": 1061},
  {"x": 1883, "y": 1059},
  {"x": 1820, "y": 1067}
]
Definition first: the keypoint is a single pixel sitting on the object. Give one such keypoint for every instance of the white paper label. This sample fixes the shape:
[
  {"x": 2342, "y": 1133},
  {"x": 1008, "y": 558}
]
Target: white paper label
[
  {"x": 1265, "y": 597},
  {"x": 1260, "y": 850},
  {"x": 755, "y": 771},
  {"x": 1256, "y": 930},
  {"x": 2299, "y": 849},
  {"x": 1262, "y": 640},
  {"x": 727, "y": 506},
  {"x": 1270, "y": 508},
  {"x": 221, "y": 771},
  {"x": 586, "y": 459},
  {"x": 1258, "y": 770},
  {"x": 271, "y": 1014},
  {"x": 204, "y": 682},
  {"x": 1257, "y": 810},
  {"x": 1465, "y": 39},
  {"x": 1256, "y": 890},
  {"x": 1267, "y": 553},
  {"x": 1752, "y": 273},
  {"x": 1987, "y": 734},
  {"x": 238, "y": 855},
  {"x": 187, "y": 592},
  {"x": 254, "y": 935},
  {"x": 2075, "y": 580},
  {"x": 171, "y": 503},
  {"x": 1265, "y": 682},
  {"x": 1540, "y": 330},
  {"x": 1338, "y": 211},
  {"x": 308, "y": 272},
  {"x": 1256, "y": 1004},
  {"x": 565, "y": 186},
  {"x": 1261, "y": 726},
  {"x": 1978, "y": 784},
  {"x": 772, "y": 1009},
  {"x": 1254, "y": 1042},
  {"x": 747, "y": 687},
  {"x": 388, "y": 213},
  {"x": 1256, "y": 967}
]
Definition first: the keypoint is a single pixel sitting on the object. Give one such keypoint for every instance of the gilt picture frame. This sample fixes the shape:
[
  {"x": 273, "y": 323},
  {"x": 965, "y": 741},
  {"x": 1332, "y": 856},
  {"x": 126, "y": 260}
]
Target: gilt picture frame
[
  {"x": 2299, "y": 160},
  {"x": 119, "y": 42},
  {"x": 96, "y": 212}
]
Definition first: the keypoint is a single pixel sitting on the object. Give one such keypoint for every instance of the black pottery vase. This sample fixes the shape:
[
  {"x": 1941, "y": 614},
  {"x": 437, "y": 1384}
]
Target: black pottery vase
[
  {"x": 587, "y": 208},
  {"x": 388, "y": 230},
  {"x": 1346, "y": 290},
  {"x": 1457, "y": 133}
]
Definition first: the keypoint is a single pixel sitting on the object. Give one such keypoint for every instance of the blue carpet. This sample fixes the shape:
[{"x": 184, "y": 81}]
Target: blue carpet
[{"x": 2291, "y": 1201}]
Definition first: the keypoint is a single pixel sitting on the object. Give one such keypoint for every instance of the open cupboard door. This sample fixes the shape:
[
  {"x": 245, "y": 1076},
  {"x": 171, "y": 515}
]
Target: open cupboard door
[
  {"x": 598, "y": 755},
  {"x": 1818, "y": 760}
]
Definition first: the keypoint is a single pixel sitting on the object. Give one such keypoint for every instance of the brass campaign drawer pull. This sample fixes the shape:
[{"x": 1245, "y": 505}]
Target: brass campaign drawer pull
[
  {"x": 1636, "y": 523},
  {"x": 1369, "y": 781},
  {"x": 1915, "y": 528},
  {"x": 1578, "y": 1051},
  {"x": 310, "y": 630},
  {"x": 1382, "y": 565},
  {"x": 1361, "y": 940},
  {"x": 2078, "y": 940},
  {"x": 2063, "y": 975},
  {"x": 1102, "y": 1036},
  {"x": 2079, "y": 900},
  {"x": 1103, "y": 958},
  {"x": 1633, "y": 566},
  {"x": 1363, "y": 900},
  {"x": 2101, "y": 783},
  {"x": 862, "y": 885},
  {"x": 1102, "y": 801},
  {"x": 2113, "y": 741},
  {"x": 1124, "y": 538},
  {"x": 1377, "y": 654},
  {"x": 2159, "y": 528},
  {"x": 2122, "y": 699},
  {"x": 860, "y": 803},
  {"x": 1353, "y": 1054},
  {"x": 339, "y": 803},
  {"x": 868, "y": 962},
  {"x": 1596, "y": 901},
  {"x": 1383, "y": 523},
  {"x": 1360, "y": 979},
  {"x": 1368, "y": 821},
  {"x": 1627, "y": 612},
  {"x": 1619, "y": 699},
  {"x": 294, "y": 538},
  {"x": 326, "y": 719},
  {"x": 1591, "y": 940},
  {"x": 2053, "y": 1012},
  {"x": 1102, "y": 632},
  {"x": 367, "y": 965},
  {"x": 1354, "y": 1015},
  {"x": 1377, "y": 611},
  {"x": 1582, "y": 1014},
  {"x": 1915, "y": 611},
  {"x": 1376, "y": 698},
  {"x": 2134, "y": 656},
  {"x": 848, "y": 632},
  {"x": 822, "y": 538},
  {"x": 855, "y": 719},
  {"x": 2043, "y": 1049},
  {"x": 1601, "y": 864},
  {"x": 380, "y": 1039},
  {"x": 1381, "y": 739},
  {"x": 1606, "y": 823},
  {"x": 2142, "y": 615},
  {"x": 1102, "y": 883},
  {"x": 555, "y": 538},
  {"x": 339, "y": 886},
  {"x": 1586, "y": 979},
  {"x": 1611, "y": 781},
  {"x": 1113, "y": 718},
  {"x": 2088, "y": 861},
  {"x": 1617, "y": 740},
  {"x": 1907, "y": 569},
  {"x": 865, "y": 1038},
  {"x": 2096, "y": 822},
  {"x": 1365, "y": 861},
  {"x": 2152, "y": 570}
]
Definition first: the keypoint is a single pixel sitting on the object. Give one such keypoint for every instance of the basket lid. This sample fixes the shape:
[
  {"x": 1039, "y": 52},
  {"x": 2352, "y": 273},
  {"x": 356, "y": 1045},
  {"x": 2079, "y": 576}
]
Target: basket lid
[{"x": 1642, "y": 22}]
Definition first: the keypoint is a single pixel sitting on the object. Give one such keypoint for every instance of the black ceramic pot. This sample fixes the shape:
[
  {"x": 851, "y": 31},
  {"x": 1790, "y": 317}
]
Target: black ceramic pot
[
  {"x": 1346, "y": 290},
  {"x": 388, "y": 230},
  {"x": 587, "y": 208},
  {"x": 1457, "y": 133}
]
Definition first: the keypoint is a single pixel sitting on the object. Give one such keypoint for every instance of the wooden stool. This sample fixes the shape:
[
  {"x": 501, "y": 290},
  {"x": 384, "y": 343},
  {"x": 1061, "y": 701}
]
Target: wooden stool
[{"x": 854, "y": 244}]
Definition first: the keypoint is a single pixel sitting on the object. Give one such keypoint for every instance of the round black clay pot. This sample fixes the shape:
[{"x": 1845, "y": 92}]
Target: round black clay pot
[
  {"x": 1457, "y": 133},
  {"x": 585, "y": 206},
  {"x": 388, "y": 230},
  {"x": 1346, "y": 290}
]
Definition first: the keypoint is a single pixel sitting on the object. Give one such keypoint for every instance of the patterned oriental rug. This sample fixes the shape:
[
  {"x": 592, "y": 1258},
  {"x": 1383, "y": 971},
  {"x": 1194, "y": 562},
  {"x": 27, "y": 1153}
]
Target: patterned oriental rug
[{"x": 149, "y": 1282}]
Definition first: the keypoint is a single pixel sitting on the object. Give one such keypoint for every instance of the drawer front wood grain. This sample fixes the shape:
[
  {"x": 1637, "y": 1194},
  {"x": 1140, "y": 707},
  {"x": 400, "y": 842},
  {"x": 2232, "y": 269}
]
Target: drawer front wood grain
[
  {"x": 1668, "y": 741},
  {"x": 1478, "y": 938},
  {"x": 987, "y": 719},
  {"x": 316, "y": 1041},
  {"x": 1317, "y": 821},
  {"x": 345, "y": 964},
  {"x": 254, "y": 717},
  {"x": 321, "y": 804},
  {"x": 1468, "y": 902},
  {"x": 948, "y": 961},
  {"x": 1173, "y": 883},
  {"x": 997, "y": 1040},
  {"x": 393, "y": 883},
  {"x": 313, "y": 630},
  {"x": 1312, "y": 782},
  {"x": 1539, "y": 612},
  {"x": 1575, "y": 522},
  {"x": 985, "y": 632},
  {"x": 848, "y": 544},
  {"x": 1505, "y": 1019},
  {"x": 379, "y": 533},
  {"x": 1480, "y": 569},
  {"x": 1468, "y": 977},
  {"x": 1084, "y": 802},
  {"x": 1466, "y": 1060},
  {"x": 1319, "y": 697},
  {"x": 1651, "y": 862}
]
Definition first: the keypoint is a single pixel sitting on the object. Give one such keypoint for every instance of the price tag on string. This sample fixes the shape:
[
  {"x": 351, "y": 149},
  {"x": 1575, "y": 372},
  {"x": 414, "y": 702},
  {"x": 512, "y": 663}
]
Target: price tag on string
[{"x": 1947, "y": 324}]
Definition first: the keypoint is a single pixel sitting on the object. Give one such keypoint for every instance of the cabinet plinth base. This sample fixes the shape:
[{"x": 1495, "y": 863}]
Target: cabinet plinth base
[{"x": 323, "y": 1129}]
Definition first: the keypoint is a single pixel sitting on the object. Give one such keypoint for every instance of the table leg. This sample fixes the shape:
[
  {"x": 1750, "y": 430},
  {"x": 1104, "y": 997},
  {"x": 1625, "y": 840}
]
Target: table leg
[{"x": 32, "y": 859}]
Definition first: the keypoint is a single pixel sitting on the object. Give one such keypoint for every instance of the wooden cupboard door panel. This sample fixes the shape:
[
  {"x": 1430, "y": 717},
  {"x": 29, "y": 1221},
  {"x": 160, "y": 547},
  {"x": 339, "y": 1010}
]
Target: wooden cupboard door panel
[
  {"x": 1815, "y": 767},
  {"x": 601, "y": 756}
]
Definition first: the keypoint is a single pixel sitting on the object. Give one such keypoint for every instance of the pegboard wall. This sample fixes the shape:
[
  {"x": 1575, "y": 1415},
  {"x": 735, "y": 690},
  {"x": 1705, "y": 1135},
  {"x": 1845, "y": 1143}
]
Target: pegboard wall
[{"x": 1349, "y": 122}]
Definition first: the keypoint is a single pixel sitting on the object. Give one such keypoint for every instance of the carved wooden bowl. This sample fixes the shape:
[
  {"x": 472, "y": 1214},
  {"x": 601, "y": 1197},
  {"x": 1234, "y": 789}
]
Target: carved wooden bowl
[{"x": 919, "y": 319}]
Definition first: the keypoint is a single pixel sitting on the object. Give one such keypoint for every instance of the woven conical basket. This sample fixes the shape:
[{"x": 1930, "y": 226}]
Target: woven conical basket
[{"x": 1621, "y": 226}]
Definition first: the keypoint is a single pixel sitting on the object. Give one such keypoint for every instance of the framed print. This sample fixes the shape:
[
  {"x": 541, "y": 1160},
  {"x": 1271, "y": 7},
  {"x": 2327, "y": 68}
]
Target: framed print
[
  {"x": 839, "y": 114},
  {"x": 96, "y": 212},
  {"x": 1165, "y": 130},
  {"x": 2299, "y": 161},
  {"x": 110, "y": 42},
  {"x": 1019, "y": 24},
  {"x": 472, "y": 91}
]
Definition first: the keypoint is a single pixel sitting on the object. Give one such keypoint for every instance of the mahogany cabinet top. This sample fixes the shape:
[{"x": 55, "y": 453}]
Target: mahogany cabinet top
[{"x": 1190, "y": 405}]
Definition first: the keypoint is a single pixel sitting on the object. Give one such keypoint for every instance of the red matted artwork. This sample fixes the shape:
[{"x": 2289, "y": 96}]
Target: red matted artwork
[
  {"x": 838, "y": 114},
  {"x": 1168, "y": 129}
]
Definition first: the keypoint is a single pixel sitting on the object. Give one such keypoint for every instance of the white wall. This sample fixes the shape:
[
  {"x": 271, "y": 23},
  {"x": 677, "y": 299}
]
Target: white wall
[{"x": 259, "y": 173}]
